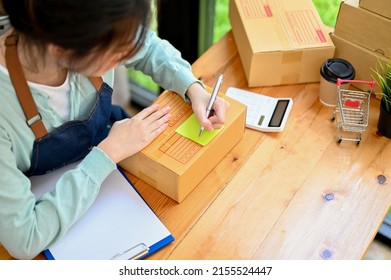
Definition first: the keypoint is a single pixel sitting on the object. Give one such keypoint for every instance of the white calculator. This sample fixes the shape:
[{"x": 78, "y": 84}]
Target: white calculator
[{"x": 264, "y": 113}]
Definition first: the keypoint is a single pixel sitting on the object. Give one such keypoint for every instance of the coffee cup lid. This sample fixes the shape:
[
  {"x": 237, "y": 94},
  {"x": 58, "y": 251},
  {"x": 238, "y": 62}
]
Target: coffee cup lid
[{"x": 337, "y": 68}]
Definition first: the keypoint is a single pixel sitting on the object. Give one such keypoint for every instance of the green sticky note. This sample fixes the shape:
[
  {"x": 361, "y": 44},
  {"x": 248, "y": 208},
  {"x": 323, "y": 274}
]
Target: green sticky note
[{"x": 190, "y": 129}]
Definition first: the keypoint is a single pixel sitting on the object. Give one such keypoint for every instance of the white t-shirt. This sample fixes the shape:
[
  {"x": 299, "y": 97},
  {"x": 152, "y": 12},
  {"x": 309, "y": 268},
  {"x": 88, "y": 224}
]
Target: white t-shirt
[{"x": 58, "y": 96}]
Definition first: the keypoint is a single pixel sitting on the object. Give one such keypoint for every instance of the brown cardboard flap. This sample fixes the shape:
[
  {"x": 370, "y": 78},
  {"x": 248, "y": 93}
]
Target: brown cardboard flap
[{"x": 364, "y": 28}]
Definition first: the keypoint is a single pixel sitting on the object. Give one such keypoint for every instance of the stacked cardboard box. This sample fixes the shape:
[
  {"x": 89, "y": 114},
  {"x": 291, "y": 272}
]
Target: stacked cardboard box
[
  {"x": 279, "y": 41},
  {"x": 362, "y": 36},
  {"x": 381, "y": 7}
]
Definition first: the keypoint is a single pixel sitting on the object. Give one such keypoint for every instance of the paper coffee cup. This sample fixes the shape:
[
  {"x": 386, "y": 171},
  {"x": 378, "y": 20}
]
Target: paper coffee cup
[{"x": 330, "y": 71}]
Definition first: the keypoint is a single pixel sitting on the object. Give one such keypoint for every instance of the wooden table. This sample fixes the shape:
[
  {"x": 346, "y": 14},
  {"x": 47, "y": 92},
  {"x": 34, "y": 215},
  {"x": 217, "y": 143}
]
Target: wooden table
[{"x": 290, "y": 195}]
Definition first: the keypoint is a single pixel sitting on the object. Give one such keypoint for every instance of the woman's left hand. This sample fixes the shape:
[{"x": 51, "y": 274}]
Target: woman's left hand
[{"x": 199, "y": 101}]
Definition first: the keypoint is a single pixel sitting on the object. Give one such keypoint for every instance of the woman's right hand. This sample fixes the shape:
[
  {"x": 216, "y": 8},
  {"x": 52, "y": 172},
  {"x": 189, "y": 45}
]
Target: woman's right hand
[{"x": 130, "y": 136}]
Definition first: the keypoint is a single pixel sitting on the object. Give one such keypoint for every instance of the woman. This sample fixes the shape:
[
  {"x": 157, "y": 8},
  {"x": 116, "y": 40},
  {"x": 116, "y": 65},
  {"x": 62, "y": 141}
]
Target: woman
[{"x": 56, "y": 74}]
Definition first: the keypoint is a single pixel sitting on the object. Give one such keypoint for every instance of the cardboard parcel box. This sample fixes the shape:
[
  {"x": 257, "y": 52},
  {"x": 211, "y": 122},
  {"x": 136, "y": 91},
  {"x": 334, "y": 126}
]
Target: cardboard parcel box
[
  {"x": 279, "y": 41},
  {"x": 174, "y": 164},
  {"x": 381, "y": 7},
  {"x": 364, "y": 28}
]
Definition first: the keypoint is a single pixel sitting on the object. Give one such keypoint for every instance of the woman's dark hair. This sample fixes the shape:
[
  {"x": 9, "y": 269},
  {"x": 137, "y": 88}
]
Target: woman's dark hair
[{"x": 81, "y": 26}]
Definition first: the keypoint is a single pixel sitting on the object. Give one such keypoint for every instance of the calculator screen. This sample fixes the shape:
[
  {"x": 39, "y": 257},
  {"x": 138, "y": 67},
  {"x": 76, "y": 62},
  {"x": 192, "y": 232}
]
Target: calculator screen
[{"x": 279, "y": 112}]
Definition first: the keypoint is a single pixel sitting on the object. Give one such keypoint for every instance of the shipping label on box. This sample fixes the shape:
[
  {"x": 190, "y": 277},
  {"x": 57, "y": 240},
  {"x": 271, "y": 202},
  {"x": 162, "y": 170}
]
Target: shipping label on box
[
  {"x": 364, "y": 28},
  {"x": 279, "y": 41},
  {"x": 174, "y": 164},
  {"x": 381, "y": 7}
]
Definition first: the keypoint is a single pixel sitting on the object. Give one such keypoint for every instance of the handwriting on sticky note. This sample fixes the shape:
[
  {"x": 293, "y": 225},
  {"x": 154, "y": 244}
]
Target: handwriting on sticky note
[{"x": 190, "y": 129}]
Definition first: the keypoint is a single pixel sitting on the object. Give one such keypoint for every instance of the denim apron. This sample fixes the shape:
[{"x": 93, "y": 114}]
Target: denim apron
[{"x": 71, "y": 141}]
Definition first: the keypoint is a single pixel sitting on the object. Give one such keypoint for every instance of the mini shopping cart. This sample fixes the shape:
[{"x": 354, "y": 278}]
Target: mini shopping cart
[{"x": 352, "y": 111}]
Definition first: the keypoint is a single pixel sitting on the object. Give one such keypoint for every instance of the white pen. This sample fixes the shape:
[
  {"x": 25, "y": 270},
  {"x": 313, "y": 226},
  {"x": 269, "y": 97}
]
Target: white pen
[{"x": 212, "y": 99}]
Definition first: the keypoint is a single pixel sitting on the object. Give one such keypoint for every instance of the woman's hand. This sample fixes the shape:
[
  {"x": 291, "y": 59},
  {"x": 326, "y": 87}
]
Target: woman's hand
[
  {"x": 130, "y": 136},
  {"x": 199, "y": 101}
]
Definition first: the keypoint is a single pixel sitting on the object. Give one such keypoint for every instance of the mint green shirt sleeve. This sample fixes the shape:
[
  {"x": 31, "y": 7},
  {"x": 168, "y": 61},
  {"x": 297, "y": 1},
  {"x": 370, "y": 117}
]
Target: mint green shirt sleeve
[
  {"x": 161, "y": 61},
  {"x": 27, "y": 225}
]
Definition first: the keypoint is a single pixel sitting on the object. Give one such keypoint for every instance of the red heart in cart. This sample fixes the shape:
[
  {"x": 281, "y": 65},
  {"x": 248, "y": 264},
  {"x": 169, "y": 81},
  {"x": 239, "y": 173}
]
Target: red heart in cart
[{"x": 352, "y": 103}]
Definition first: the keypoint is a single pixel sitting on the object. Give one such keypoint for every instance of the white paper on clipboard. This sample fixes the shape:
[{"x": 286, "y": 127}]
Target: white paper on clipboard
[
  {"x": 264, "y": 113},
  {"x": 118, "y": 225}
]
